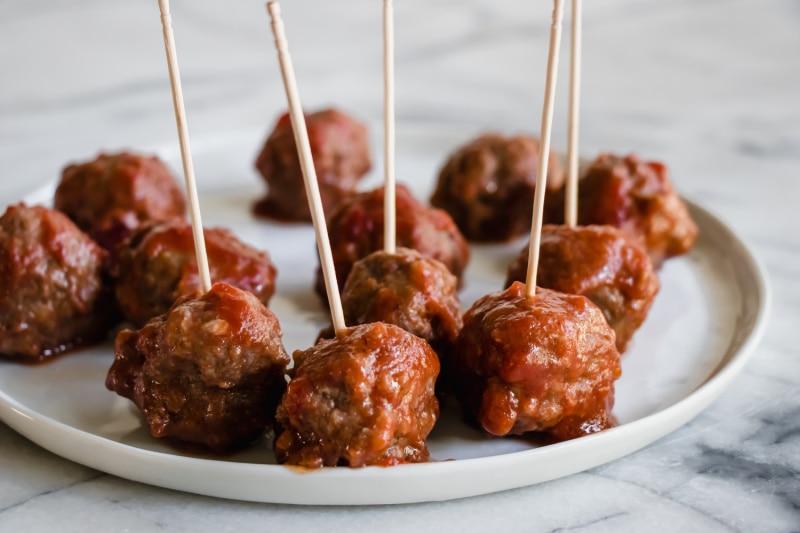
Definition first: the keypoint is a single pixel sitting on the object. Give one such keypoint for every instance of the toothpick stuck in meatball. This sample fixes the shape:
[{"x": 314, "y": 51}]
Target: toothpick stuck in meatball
[
  {"x": 637, "y": 197},
  {"x": 157, "y": 264},
  {"x": 545, "y": 363},
  {"x": 356, "y": 230},
  {"x": 602, "y": 263},
  {"x": 487, "y": 186},
  {"x": 365, "y": 397}
]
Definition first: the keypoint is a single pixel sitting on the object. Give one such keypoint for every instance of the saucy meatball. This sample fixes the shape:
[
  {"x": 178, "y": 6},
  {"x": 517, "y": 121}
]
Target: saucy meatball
[
  {"x": 636, "y": 196},
  {"x": 406, "y": 289},
  {"x": 158, "y": 263},
  {"x": 365, "y": 397},
  {"x": 112, "y": 195},
  {"x": 355, "y": 228},
  {"x": 53, "y": 295},
  {"x": 340, "y": 150},
  {"x": 487, "y": 186},
  {"x": 602, "y": 263},
  {"x": 546, "y": 363},
  {"x": 208, "y": 372}
]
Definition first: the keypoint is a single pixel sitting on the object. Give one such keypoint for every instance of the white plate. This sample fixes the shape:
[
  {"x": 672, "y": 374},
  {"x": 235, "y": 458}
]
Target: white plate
[{"x": 705, "y": 323}]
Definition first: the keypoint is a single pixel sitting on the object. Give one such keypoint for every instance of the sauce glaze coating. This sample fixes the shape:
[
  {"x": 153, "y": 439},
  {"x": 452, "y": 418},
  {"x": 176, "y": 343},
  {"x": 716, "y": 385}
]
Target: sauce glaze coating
[
  {"x": 356, "y": 230},
  {"x": 488, "y": 185},
  {"x": 210, "y": 371},
  {"x": 546, "y": 363},
  {"x": 637, "y": 197},
  {"x": 602, "y": 263},
  {"x": 112, "y": 195},
  {"x": 157, "y": 264},
  {"x": 340, "y": 150},
  {"x": 365, "y": 397},
  {"x": 54, "y": 294},
  {"x": 406, "y": 289}
]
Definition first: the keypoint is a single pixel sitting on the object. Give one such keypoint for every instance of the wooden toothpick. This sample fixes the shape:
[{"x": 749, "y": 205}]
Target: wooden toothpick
[
  {"x": 307, "y": 166},
  {"x": 186, "y": 154},
  {"x": 544, "y": 149},
  {"x": 571, "y": 207},
  {"x": 389, "y": 201}
]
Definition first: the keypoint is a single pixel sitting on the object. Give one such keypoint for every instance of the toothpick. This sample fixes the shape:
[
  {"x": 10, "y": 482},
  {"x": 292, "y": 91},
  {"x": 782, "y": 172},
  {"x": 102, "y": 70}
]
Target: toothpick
[
  {"x": 571, "y": 207},
  {"x": 544, "y": 149},
  {"x": 307, "y": 166},
  {"x": 389, "y": 201},
  {"x": 186, "y": 154}
]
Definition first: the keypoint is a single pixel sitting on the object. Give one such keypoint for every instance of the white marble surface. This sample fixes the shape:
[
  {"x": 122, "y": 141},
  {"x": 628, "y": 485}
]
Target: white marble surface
[{"x": 711, "y": 87}]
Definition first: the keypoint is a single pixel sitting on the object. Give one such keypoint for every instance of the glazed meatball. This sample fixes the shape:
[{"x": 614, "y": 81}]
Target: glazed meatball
[
  {"x": 340, "y": 149},
  {"x": 406, "y": 289},
  {"x": 602, "y": 263},
  {"x": 546, "y": 363},
  {"x": 53, "y": 292},
  {"x": 158, "y": 264},
  {"x": 355, "y": 228},
  {"x": 208, "y": 372},
  {"x": 487, "y": 186},
  {"x": 112, "y": 195},
  {"x": 365, "y": 397},
  {"x": 636, "y": 196}
]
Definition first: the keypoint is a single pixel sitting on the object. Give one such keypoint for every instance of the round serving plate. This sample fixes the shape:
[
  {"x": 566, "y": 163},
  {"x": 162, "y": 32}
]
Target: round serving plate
[{"x": 707, "y": 319}]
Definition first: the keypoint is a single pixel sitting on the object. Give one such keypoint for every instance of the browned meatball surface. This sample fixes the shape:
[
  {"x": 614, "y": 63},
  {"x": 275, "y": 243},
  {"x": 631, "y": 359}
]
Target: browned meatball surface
[
  {"x": 158, "y": 264},
  {"x": 487, "y": 186},
  {"x": 52, "y": 291},
  {"x": 602, "y": 263},
  {"x": 365, "y": 397},
  {"x": 406, "y": 289},
  {"x": 340, "y": 149},
  {"x": 546, "y": 363},
  {"x": 356, "y": 230},
  {"x": 113, "y": 194},
  {"x": 636, "y": 196},
  {"x": 208, "y": 372}
]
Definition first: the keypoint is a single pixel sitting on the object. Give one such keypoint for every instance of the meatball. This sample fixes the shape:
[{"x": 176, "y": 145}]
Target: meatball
[
  {"x": 365, "y": 397},
  {"x": 340, "y": 149},
  {"x": 602, "y": 263},
  {"x": 355, "y": 228},
  {"x": 546, "y": 363},
  {"x": 636, "y": 196},
  {"x": 408, "y": 290},
  {"x": 158, "y": 264},
  {"x": 487, "y": 186},
  {"x": 210, "y": 371},
  {"x": 53, "y": 292},
  {"x": 112, "y": 195}
]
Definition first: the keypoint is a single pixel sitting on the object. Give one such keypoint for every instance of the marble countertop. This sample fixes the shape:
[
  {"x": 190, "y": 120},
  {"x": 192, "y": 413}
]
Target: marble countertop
[{"x": 712, "y": 88}]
